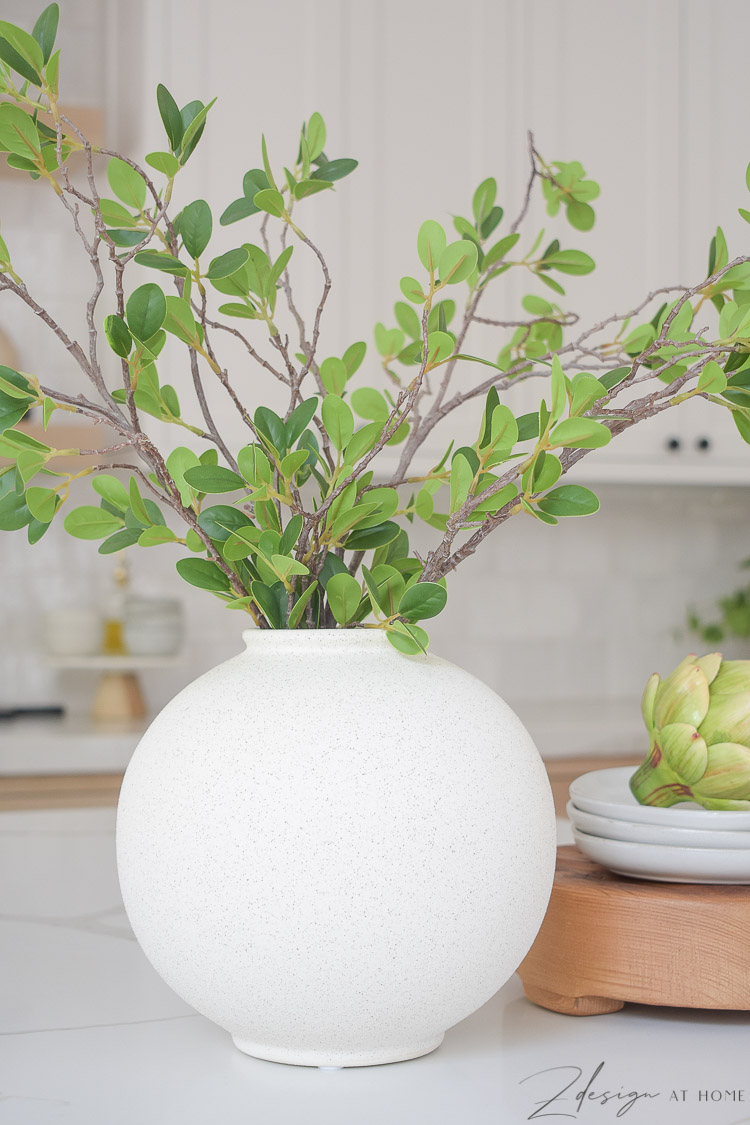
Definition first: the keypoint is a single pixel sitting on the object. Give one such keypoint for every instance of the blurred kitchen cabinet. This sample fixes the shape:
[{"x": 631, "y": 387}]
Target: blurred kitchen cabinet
[{"x": 694, "y": 443}]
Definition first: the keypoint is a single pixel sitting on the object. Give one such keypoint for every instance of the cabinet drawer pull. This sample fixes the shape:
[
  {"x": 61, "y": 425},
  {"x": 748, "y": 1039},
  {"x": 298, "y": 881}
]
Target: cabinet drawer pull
[{"x": 673, "y": 444}]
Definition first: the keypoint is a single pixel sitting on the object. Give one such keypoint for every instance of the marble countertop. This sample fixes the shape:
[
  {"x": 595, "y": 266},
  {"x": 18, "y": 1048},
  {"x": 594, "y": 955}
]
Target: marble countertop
[{"x": 91, "y": 1036}]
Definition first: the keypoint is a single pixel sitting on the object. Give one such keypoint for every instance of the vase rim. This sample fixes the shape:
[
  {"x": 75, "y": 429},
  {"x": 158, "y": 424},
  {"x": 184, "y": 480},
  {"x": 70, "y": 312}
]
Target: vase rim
[{"x": 319, "y": 638}]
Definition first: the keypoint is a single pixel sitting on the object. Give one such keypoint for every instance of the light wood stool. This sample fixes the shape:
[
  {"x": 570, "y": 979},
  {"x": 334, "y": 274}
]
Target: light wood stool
[{"x": 608, "y": 939}]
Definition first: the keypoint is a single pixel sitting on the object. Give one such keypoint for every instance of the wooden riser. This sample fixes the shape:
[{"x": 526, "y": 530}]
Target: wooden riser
[{"x": 607, "y": 940}]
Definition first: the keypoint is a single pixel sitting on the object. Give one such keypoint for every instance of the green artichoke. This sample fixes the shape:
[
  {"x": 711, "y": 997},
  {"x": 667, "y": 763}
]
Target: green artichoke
[{"x": 698, "y": 721}]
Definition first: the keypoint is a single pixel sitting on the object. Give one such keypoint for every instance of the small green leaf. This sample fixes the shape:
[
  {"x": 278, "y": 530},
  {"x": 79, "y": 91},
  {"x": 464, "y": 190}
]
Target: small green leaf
[
  {"x": 194, "y": 129},
  {"x": 300, "y": 605},
  {"x": 118, "y": 335},
  {"x": 293, "y": 462},
  {"x": 18, "y": 133},
  {"x": 334, "y": 375},
  {"x": 233, "y": 308},
  {"x": 431, "y": 243},
  {"x": 127, "y": 537},
  {"x": 423, "y": 600},
  {"x": 267, "y": 598},
  {"x": 741, "y": 419},
  {"x": 179, "y": 321},
  {"x": 45, "y": 30},
  {"x": 484, "y": 198},
  {"x": 89, "y": 522},
  {"x": 126, "y": 238},
  {"x": 712, "y": 379},
  {"x": 315, "y": 134},
  {"x": 156, "y": 536},
  {"x": 161, "y": 260},
  {"x": 408, "y": 320},
  {"x": 362, "y": 442},
  {"x": 299, "y": 420},
  {"x": 221, "y": 520},
  {"x": 112, "y": 490},
  {"x": 212, "y": 479},
  {"x": 271, "y": 201},
  {"x": 353, "y": 357},
  {"x": 503, "y": 428},
  {"x": 227, "y": 264},
  {"x": 195, "y": 225},
  {"x": 305, "y": 188},
  {"x": 580, "y": 215},
  {"x": 137, "y": 503},
  {"x": 370, "y": 537},
  {"x": 338, "y": 420},
  {"x": 570, "y": 261},
  {"x": 457, "y": 261},
  {"x": 558, "y": 390},
  {"x": 193, "y": 541},
  {"x": 126, "y": 183},
  {"x": 272, "y": 427},
  {"x": 285, "y": 565},
  {"x": 146, "y": 310},
  {"x": 499, "y": 250},
  {"x": 178, "y": 462},
  {"x": 586, "y": 391},
  {"x": 254, "y": 465},
  {"x": 491, "y": 222},
  {"x": 333, "y": 170},
  {"x": 570, "y": 500},
  {"x": 344, "y": 595},
  {"x": 290, "y": 535},
  {"x": 42, "y": 503},
  {"x": 22, "y": 52},
  {"x": 580, "y": 433},
  {"x": 204, "y": 574},
  {"x": 15, "y": 389},
  {"x": 440, "y": 346},
  {"x": 412, "y": 290},
  {"x": 170, "y": 116},
  {"x": 370, "y": 404},
  {"x": 462, "y": 475},
  {"x": 164, "y": 162},
  {"x": 407, "y": 638},
  {"x": 239, "y": 209}
]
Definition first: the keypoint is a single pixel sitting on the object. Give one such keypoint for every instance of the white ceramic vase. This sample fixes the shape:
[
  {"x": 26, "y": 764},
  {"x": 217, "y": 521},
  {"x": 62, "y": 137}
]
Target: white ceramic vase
[{"x": 334, "y": 851}]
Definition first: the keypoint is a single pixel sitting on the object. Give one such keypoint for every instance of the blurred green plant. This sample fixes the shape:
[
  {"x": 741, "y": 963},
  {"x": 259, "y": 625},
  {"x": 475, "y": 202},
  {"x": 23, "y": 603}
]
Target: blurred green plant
[
  {"x": 734, "y": 619},
  {"x": 294, "y": 527}
]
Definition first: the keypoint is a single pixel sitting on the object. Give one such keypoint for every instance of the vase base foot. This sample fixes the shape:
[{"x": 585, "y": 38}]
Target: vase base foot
[{"x": 334, "y": 1060}]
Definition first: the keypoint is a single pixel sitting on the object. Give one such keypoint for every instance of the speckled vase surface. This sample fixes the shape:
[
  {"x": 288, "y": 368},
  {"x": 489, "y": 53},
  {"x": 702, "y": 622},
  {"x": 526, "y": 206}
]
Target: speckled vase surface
[{"x": 334, "y": 851}]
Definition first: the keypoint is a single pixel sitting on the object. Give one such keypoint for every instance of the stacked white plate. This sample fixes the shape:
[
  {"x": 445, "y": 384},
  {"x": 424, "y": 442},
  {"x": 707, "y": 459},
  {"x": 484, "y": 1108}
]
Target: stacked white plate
[{"x": 682, "y": 844}]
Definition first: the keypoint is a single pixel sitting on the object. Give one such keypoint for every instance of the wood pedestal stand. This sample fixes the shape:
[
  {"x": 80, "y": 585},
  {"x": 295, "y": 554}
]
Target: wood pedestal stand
[{"x": 607, "y": 939}]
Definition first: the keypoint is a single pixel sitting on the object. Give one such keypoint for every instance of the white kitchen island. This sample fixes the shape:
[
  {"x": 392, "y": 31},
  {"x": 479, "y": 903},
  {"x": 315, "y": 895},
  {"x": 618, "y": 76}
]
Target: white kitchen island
[{"x": 89, "y": 1035}]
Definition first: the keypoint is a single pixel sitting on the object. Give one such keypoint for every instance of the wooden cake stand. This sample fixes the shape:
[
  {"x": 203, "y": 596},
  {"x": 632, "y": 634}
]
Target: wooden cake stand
[{"x": 607, "y": 939}]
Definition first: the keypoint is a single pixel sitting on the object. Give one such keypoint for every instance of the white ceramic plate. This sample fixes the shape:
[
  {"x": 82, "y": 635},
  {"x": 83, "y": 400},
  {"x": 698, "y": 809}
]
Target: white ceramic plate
[
  {"x": 666, "y": 864},
  {"x": 659, "y": 834},
  {"x": 606, "y": 793}
]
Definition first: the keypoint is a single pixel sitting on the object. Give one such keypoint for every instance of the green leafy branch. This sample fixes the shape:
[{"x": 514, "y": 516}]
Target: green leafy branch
[{"x": 281, "y": 528}]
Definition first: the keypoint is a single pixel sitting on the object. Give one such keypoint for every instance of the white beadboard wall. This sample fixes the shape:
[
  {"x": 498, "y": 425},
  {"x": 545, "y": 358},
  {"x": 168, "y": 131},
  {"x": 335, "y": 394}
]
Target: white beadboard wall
[{"x": 431, "y": 97}]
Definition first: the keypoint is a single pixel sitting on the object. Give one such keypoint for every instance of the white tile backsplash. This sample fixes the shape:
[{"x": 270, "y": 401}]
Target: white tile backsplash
[{"x": 540, "y": 631}]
